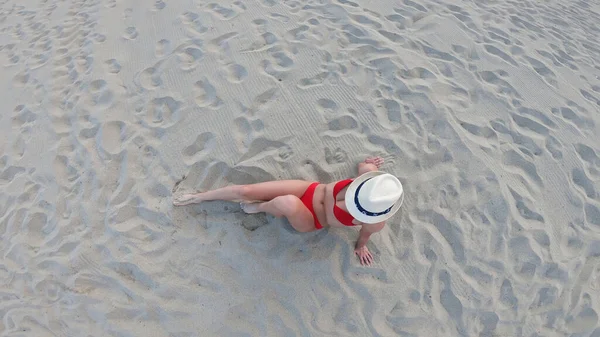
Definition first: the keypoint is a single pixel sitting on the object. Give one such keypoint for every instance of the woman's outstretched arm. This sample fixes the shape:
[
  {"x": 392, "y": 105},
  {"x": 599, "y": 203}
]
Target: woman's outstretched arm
[{"x": 361, "y": 249}]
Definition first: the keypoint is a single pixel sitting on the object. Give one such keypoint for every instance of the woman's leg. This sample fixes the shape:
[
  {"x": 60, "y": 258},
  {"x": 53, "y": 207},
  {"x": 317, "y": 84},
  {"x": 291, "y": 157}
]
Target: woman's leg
[
  {"x": 254, "y": 192},
  {"x": 283, "y": 200},
  {"x": 291, "y": 207}
]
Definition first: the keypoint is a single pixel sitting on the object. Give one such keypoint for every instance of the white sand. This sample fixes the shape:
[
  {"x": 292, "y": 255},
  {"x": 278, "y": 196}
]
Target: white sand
[{"x": 488, "y": 111}]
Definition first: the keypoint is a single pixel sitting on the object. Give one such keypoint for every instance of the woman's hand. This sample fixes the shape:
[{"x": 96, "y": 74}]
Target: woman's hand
[
  {"x": 364, "y": 255},
  {"x": 375, "y": 160},
  {"x": 370, "y": 164}
]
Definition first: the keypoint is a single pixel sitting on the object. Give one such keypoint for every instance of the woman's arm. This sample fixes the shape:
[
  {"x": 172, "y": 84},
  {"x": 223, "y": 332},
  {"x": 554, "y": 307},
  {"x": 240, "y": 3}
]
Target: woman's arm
[{"x": 365, "y": 233}]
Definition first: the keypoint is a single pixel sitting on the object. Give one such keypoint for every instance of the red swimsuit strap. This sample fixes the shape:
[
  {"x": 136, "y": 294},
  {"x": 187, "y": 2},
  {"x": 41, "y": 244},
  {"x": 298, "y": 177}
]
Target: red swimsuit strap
[
  {"x": 307, "y": 200},
  {"x": 340, "y": 185},
  {"x": 344, "y": 217}
]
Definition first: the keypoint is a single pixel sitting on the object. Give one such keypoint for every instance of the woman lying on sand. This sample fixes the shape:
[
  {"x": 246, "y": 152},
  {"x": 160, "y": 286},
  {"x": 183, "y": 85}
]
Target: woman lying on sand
[{"x": 366, "y": 201}]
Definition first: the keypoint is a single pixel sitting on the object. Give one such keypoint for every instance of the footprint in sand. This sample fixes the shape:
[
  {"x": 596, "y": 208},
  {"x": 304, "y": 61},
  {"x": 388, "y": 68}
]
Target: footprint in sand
[
  {"x": 585, "y": 319},
  {"x": 240, "y": 6},
  {"x": 483, "y": 134},
  {"x": 262, "y": 101},
  {"x": 101, "y": 96},
  {"x": 555, "y": 147},
  {"x": 220, "y": 44},
  {"x": 236, "y": 73},
  {"x": 223, "y": 13},
  {"x": 500, "y": 54},
  {"x": 261, "y": 146},
  {"x": 507, "y": 295},
  {"x": 85, "y": 133},
  {"x": 313, "y": 169},
  {"x": 10, "y": 173},
  {"x": 21, "y": 78},
  {"x": 269, "y": 3},
  {"x": 580, "y": 179},
  {"x": 297, "y": 34},
  {"x": 327, "y": 106},
  {"x": 524, "y": 259},
  {"x": 266, "y": 40},
  {"x": 526, "y": 145},
  {"x": 203, "y": 144},
  {"x": 335, "y": 156},
  {"x": 270, "y": 70},
  {"x": 260, "y": 25},
  {"x": 162, "y": 112},
  {"x": 131, "y": 33},
  {"x": 162, "y": 48},
  {"x": 63, "y": 170},
  {"x": 99, "y": 38},
  {"x": 112, "y": 66},
  {"x": 285, "y": 153},
  {"x": 345, "y": 122},
  {"x": 112, "y": 136},
  {"x": 282, "y": 60},
  {"x": 193, "y": 24},
  {"x": 159, "y": 4},
  {"x": 588, "y": 96},
  {"x": 38, "y": 228},
  {"x": 318, "y": 79},
  {"x": 389, "y": 112},
  {"x": 574, "y": 116},
  {"x": 523, "y": 167},
  {"x": 189, "y": 58},
  {"x": 417, "y": 73},
  {"x": 150, "y": 78},
  {"x": 525, "y": 207},
  {"x": 548, "y": 75},
  {"x": 243, "y": 132},
  {"x": 280, "y": 17},
  {"x": 206, "y": 95},
  {"x": 592, "y": 213},
  {"x": 589, "y": 159},
  {"x": 23, "y": 116},
  {"x": 19, "y": 146}
]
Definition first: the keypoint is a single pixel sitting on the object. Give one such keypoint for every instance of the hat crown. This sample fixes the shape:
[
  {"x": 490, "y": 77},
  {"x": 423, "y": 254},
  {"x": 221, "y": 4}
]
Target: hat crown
[{"x": 379, "y": 193}]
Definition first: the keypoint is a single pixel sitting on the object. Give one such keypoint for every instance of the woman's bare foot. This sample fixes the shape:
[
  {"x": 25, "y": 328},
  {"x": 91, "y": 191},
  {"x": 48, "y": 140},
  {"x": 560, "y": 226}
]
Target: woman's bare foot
[
  {"x": 250, "y": 207},
  {"x": 187, "y": 199},
  {"x": 375, "y": 160}
]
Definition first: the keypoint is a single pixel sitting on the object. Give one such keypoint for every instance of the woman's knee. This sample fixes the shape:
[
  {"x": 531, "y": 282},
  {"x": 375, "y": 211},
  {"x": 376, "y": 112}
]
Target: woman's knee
[
  {"x": 296, "y": 213},
  {"x": 244, "y": 191},
  {"x": 288, "y": 204}
]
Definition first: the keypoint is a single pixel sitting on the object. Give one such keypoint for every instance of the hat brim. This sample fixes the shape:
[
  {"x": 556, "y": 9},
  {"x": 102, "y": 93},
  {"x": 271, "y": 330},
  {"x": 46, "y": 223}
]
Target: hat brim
[{"x": 352, "y": 207}]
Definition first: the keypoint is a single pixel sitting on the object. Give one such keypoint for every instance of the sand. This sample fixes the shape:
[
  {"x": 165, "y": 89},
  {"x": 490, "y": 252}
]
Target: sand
[{"x": 488, "y": 112}]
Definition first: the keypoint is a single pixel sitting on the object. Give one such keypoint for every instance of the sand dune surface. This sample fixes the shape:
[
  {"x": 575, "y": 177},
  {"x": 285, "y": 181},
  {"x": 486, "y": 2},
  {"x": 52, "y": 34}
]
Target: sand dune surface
[{"x": 488, "y": 112}]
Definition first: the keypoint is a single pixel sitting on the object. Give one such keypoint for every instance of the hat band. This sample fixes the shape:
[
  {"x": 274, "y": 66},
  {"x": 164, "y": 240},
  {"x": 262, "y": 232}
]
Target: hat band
[{"x": 359, "y": 206}]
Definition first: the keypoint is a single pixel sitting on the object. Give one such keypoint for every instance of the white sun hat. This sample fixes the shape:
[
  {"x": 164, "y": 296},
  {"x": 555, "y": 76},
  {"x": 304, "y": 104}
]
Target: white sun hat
[{"x": 374, "y": 197}]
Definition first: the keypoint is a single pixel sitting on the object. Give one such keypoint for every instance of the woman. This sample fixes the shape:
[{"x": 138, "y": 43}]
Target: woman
[{"x": 366, "y": 201}]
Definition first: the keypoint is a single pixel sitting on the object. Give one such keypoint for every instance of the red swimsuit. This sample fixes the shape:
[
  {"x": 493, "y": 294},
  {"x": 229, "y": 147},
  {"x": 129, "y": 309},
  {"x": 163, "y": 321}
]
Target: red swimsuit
[{"x": 307, "y": 199}]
